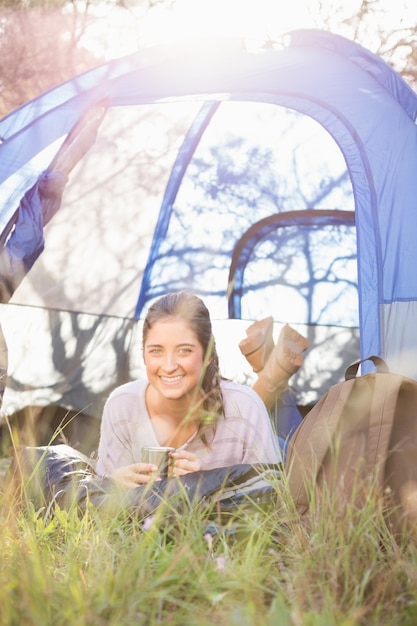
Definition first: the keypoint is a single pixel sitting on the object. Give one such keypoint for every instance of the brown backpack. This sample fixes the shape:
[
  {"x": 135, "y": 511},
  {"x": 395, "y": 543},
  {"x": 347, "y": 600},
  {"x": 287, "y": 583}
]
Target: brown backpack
[{"x": 361, "y": 437}]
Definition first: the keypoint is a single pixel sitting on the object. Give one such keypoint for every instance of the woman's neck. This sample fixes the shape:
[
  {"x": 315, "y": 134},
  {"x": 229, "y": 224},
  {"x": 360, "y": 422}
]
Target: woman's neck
[{"x": 174, "y": 421}]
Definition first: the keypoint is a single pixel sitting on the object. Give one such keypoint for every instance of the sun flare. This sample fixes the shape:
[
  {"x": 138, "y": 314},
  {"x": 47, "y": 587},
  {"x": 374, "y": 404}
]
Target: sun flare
[
  {"x": 193, "y": 19},
  {"x": 123, "y": 32}
]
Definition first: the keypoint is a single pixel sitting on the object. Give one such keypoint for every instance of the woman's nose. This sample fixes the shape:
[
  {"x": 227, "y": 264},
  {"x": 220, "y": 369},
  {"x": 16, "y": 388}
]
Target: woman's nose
[{"x": 170, "y": 362}]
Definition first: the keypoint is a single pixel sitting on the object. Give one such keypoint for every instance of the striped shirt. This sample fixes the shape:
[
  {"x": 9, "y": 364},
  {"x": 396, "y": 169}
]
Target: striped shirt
[{"x": 243, "y": 435}]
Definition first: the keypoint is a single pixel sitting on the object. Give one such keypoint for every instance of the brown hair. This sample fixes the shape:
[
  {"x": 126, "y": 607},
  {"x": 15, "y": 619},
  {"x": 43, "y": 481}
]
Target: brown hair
[{"x": 193, "y": 310}]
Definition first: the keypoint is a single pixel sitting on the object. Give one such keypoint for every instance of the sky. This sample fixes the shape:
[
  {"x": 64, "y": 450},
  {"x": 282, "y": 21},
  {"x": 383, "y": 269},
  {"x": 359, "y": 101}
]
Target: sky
[{"x": 255, "y": 20}]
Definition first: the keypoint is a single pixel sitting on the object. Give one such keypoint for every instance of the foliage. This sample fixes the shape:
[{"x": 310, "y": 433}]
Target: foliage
[
  {"x": 26, "y": 68},
  {"x": 396, "y": 43},
  {"x": 81, "y": 5},
  {"x": 262, "y": 567},
  {"x": 45, "y": 42}
]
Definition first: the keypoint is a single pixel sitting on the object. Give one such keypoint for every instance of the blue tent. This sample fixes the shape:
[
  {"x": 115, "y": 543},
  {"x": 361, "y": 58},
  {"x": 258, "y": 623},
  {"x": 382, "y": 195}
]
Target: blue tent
[{"x": 278, "y": 181}]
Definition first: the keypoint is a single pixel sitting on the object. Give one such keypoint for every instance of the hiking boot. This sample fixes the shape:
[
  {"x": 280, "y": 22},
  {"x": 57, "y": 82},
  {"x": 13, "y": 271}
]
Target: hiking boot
[
  {"x": 284, "y": 360},
  {"x": 290, "y": 346},
  {"x": 258, "y": 344}
]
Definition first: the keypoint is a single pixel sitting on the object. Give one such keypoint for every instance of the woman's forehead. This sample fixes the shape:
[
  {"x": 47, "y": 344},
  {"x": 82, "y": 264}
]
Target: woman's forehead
[{"x": 171, "y": 328}]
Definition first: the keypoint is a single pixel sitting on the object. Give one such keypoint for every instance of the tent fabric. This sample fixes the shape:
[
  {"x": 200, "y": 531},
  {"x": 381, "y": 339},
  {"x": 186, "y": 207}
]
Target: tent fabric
[
  {"x": 3, "y": 364},
  {"x": 363, "y": 105},
  {"x": 73, "y": 360},
  {"x": 26, "y": 240},
  {"x": 244, "y": 247}
]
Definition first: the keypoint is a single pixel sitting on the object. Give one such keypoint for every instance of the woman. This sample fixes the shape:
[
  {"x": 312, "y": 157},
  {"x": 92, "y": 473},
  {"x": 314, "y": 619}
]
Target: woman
[{"x": 184, "y": 403}]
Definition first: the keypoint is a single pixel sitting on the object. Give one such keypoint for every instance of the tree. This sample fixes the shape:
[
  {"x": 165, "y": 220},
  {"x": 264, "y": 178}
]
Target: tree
[
  {"x": 46, "y": 42},
  {"x": 374, "y": 25}
]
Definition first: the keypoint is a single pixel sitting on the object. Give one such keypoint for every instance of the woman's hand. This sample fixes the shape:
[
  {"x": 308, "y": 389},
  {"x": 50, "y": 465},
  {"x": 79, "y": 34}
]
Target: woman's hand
[
  {"x": 131, "y": 476},
  {"x": 184, "y": 462}
]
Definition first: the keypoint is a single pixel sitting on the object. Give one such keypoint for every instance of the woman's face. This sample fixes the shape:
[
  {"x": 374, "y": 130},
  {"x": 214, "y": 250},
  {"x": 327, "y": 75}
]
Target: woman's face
[{"x": 173, "y": 358}]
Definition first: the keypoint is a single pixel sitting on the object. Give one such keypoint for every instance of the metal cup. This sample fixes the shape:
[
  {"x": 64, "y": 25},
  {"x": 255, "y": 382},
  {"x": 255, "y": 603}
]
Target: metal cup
[{"x": 159, "y": 456}]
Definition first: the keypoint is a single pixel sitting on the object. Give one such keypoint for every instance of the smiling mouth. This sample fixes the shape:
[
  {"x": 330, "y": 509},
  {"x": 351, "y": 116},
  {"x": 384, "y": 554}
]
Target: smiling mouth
[{"x": 170, "y": 380}]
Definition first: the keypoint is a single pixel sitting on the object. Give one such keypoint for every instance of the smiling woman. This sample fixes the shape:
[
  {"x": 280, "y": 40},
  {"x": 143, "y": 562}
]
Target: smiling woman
[
  {"x": 183, "y": 403},
  {"x": 226, "y": 178},
  {"x": 174, "y": 362}
]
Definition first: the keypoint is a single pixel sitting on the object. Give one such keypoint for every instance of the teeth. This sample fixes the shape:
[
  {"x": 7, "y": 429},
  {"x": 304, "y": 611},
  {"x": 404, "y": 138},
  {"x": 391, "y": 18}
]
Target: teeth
[{"x": 171, "y": 379}]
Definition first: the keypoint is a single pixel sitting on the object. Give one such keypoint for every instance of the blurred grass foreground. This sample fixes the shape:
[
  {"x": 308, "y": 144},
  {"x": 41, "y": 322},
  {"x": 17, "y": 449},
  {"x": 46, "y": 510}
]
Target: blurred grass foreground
[{"x": 260, "y": 567}]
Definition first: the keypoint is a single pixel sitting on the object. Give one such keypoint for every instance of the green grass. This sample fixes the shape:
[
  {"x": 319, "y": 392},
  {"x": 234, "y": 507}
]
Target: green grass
[{"x": 262, "y": 568}]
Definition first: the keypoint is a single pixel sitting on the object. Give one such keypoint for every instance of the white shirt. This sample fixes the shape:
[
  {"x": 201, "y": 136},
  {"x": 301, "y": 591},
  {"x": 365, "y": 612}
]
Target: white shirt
[{"x": 243, "y": 435}]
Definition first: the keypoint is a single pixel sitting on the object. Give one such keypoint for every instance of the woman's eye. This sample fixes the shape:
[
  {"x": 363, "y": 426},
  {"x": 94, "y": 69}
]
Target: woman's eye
[{"x": 185, "y": 351}]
